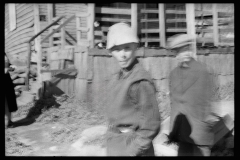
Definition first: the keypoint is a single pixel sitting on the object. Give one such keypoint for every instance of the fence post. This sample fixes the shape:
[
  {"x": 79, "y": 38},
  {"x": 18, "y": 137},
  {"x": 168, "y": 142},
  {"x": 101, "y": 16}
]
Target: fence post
[
  {"x": 134, "y": 17},
  {"x": 50, "y": 17},
  {"x": 38, "y": 45},
  {"x": 215, "y": 25},
  {"x": 63, "y": 41},
  {"x": 91, "y": 19},
  {"x": 162, "y": 31},
  {"x": 190, "y": 16}
]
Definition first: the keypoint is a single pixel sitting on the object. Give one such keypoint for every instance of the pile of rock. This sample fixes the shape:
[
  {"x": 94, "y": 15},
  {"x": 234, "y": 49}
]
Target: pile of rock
[{"x": 18, "y": 75}]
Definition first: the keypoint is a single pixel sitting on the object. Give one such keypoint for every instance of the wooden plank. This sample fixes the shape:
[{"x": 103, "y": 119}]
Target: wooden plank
[
  {"x": 72, "y": 38},
  {"x": 20, "y": 5},
  {"x": 25, "y": 12},
  {"x": 150, "y": 40},
  {"x": 78, "y": 32},
  {"x": 25, "y": 20},
  {"x": 149, "y": 20},
  {"x": 175, "y": 20},
  {"x": 83, "y": 29},
  {"x": 206, "y": 40},
  {"x": 65, "y": 22},
  {"x": 13, "y": 48},
  {"x": 105, "y": 10},
  {"x": 169, "y": 11},
  {"x": 191, "y": 25},
  {"x": 63, "y": 41},
  {"x": 215, "y": 25},
  {"x": 82, "y": 15},
  {"x": 148, "y": 11},
  {"x": 176, "y": 30},
  {"x": 21, "y": 39},
  {"x": 38, "y": 43},
  {"x": 134, "y": 17},
  {"x": 12, "y": 16},
  {"x": 22, "y": 32},
  {"x": 150, "y": 30},
  {"x": 98, "y": 33},
  {"x": 23, "y": 8},
  {"x": 162, "y": 30},
  {"x": 57, "y": 42},
  {"x": 24, "y": 50},
  {"x": 56, "y": 35},
  {"x": 112, "y": 19}
]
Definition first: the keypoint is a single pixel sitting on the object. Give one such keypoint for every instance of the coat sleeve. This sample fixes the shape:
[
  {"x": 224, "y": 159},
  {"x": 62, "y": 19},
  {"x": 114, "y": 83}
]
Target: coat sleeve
[{"x": 149, "y": 125}]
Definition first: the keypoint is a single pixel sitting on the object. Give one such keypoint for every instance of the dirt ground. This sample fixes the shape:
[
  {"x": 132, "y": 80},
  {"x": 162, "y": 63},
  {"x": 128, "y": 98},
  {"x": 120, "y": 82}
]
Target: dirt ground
[{"x": 64, "y": 126}]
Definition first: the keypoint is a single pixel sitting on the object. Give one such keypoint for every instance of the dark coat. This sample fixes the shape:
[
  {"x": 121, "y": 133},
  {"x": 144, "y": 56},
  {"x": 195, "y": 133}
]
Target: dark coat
[
  {"x": 190, "y": 95},
  {"x": 10, "y": 93},
  {"x": 132, "y": 104}
]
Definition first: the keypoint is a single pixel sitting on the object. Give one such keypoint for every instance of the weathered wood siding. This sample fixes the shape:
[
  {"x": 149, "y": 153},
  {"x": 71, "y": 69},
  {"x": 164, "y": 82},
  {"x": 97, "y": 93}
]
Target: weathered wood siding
[
  {"x": 68, "y": 10},
  {"x": 43, "y": 24},
  {"x": 16, "y": 40}
]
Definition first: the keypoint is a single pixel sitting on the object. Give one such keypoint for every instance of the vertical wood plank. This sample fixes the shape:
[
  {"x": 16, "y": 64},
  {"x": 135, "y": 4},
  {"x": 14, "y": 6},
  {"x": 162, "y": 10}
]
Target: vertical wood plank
[
  {"x": 78, "y": 31},
  {"x": 146, "y": 26},
  {"x": 50, "y": 20},
  {"x": 63, "y": 41},
  {"x": 12, "y": 16},
  {"x": 37, "y": 40},
  {"x": 134, "y": 17},
  {"x": 215, "y": 25},
  {"x": 162, "y": 31},
  {"x": 91, "y": 19},
  {"x": 190, "y": 16}
]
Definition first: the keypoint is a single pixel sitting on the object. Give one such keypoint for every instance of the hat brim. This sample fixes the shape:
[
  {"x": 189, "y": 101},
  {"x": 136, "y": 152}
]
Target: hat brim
[{"x": 181, "y": 45}]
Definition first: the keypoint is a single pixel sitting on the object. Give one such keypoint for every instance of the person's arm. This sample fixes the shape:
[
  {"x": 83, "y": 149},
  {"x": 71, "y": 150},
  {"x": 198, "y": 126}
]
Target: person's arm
[{"x": 149, "y": 126}]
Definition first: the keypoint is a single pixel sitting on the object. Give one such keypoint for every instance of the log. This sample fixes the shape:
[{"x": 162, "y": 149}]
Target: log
[{"x": 19, "y": 81}]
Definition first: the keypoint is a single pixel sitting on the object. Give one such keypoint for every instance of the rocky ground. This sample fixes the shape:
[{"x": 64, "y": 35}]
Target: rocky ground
[{"x": 64, "y": 126}]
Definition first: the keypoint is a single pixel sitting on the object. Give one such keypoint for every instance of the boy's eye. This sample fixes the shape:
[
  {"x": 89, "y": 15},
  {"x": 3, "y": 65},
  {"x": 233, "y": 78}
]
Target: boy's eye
[{"x": 127, "y": 48}]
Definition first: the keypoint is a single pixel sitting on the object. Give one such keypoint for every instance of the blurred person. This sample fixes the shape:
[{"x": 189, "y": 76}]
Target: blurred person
[
  {"x": 132, "y": 109},
  {"x": 190, "y": 95},
  {"x": 10, "y": 97}
]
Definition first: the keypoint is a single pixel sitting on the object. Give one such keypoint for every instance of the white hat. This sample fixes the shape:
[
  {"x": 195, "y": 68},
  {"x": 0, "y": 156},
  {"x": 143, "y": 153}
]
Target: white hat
[
  {"x": 120, "y": 33},
  {"x": 180, "y": 40}
]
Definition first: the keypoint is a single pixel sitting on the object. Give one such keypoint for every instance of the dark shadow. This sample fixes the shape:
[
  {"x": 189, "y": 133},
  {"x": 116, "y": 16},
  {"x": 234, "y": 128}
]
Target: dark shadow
[
  {"x": 48, "y": 100},
  {"x": 181, "y": 131},
  {"x": 181, "y": 134},
  {"x": 35, "y": 111}
]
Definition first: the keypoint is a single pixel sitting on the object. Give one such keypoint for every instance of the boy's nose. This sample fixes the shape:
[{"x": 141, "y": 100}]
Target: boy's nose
[{"x": 122, "y": 53}]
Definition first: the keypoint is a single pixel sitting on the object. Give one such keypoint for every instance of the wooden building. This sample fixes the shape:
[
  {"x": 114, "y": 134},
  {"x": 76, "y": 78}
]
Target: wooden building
[{"x": 67, "y": 45}]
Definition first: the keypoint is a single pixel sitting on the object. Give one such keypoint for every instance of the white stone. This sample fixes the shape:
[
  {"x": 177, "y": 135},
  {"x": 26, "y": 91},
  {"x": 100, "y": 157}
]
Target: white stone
[
  {"x": 53, "y": 148},
  {"x": 161, "y": 150}
]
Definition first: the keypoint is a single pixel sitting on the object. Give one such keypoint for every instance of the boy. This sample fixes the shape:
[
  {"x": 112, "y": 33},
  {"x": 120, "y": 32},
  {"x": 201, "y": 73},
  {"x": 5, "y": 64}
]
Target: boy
[{"x": 132, "y": 108}]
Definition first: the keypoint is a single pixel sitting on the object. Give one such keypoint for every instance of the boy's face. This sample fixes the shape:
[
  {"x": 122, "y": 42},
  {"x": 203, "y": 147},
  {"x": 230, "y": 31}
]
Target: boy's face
[{"x": 124, "y": 54}]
